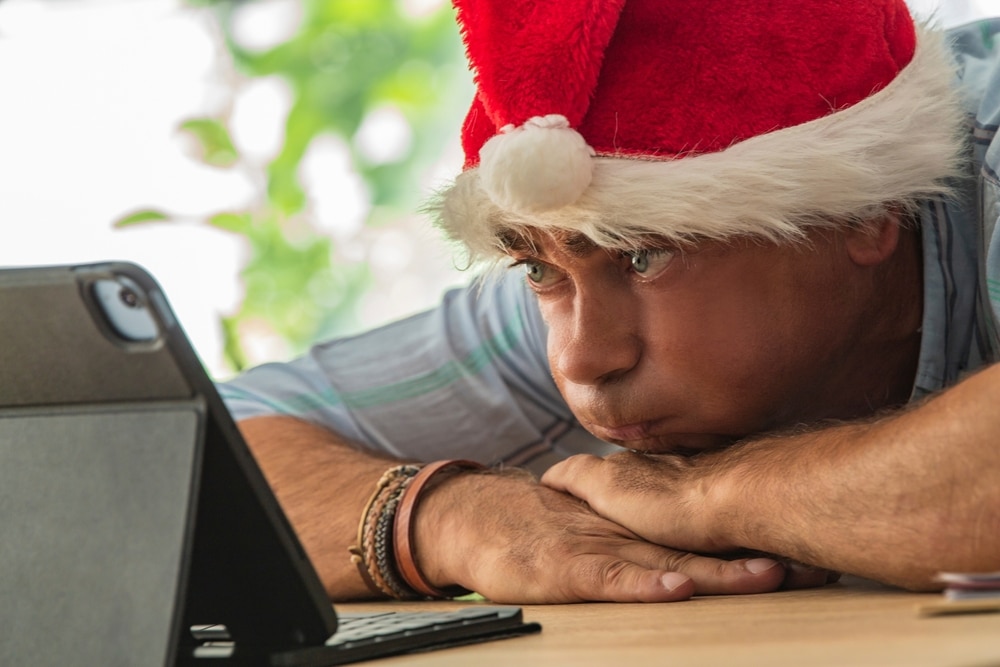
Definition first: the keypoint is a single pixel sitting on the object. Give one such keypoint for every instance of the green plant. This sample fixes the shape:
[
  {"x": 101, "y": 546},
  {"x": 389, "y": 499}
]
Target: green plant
[{"x": 347, "y": 59}]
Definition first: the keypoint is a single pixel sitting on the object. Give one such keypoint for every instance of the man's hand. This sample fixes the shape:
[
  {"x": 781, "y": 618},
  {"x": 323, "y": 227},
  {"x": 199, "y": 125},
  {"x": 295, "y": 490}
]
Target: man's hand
[
  {"x": 663, "y": 499},
  {"x": 513, "y": 540}
]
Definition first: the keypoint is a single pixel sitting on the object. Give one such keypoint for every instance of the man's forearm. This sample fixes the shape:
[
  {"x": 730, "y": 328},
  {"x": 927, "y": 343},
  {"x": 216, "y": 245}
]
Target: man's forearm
[
  {"x": 322, "y": 483},
  {"x": 896, "y": 500}
]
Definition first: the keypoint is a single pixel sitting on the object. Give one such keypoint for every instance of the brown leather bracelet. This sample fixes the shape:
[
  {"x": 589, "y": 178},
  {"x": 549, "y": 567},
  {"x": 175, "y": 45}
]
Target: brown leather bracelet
[{"x": 403, "y": 541}]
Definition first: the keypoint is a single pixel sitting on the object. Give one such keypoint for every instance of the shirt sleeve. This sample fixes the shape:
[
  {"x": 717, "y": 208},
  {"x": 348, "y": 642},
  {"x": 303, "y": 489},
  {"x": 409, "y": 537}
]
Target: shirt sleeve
[{"x": 468, "y": 379}]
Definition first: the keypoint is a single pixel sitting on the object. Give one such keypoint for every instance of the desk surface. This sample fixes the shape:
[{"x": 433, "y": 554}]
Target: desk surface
[{"x": 850, "y": 623}]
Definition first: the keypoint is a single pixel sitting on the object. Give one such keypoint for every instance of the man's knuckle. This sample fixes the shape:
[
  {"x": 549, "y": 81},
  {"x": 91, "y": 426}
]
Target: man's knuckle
[
  {"x": 678, "y": 561},
  {"x": 592, "y": 575},
  {"x": 613, "y": 573}
]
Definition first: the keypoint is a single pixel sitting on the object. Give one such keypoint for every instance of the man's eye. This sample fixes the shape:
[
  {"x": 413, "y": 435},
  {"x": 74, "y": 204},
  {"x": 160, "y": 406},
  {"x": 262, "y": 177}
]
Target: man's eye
[
  {"x": 536, "y": 272},
  {"x": 649, "y": 263},
  {"x": 539, "y": 274}
]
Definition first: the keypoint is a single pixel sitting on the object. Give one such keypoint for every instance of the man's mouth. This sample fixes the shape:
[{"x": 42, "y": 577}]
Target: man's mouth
[
  {"x": 625, "y": 432},
  {"x": 658, "y": 437}
]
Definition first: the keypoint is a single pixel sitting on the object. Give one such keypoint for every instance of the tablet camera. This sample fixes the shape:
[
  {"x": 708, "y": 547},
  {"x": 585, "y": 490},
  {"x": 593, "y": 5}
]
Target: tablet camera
[{"x": 123, "y": 305}]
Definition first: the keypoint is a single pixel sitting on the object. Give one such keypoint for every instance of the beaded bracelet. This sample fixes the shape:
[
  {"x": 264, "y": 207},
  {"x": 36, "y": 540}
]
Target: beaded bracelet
[
  {"x": 372, "y": 553},
  {"x": 407, "y": 562}
]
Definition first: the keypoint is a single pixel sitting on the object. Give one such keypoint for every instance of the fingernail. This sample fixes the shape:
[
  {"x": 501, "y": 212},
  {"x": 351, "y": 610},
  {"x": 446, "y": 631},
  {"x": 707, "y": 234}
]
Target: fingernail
[
  {"x": 759, "y": 565},
  {"x": 672, "y": 580}
]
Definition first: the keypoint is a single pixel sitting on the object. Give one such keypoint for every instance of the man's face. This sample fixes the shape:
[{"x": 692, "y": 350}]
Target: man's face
[{"x": 668, "y": 350}]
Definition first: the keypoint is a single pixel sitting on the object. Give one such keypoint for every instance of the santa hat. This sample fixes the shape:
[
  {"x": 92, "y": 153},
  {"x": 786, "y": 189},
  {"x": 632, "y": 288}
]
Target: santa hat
[{"x": 697, "y": 119}]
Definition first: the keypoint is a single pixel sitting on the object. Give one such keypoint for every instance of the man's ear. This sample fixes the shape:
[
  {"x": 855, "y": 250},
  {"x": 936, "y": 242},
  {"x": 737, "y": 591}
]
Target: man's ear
[{"x": 874, "y": 241}]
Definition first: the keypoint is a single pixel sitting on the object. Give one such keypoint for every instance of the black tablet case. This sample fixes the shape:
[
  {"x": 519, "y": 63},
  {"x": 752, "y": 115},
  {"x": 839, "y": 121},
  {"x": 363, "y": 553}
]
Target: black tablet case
[{"x": 112, "y": 546}]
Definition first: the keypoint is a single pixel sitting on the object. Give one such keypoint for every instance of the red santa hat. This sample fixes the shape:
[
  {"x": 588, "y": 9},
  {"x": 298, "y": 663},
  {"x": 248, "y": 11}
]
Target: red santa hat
[{"x": 697, "y": 119}]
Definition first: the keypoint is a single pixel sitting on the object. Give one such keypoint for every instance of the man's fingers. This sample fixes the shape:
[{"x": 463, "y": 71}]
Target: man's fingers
[
  {"x": 602, "y": 578},
  {"x": 571, "y": 475},
  {"x": 716, "y": 576},
  {"x": 598, "y": 482},
  {"x": 607, "y": 579},
  {"x": 713, "y": 576}
]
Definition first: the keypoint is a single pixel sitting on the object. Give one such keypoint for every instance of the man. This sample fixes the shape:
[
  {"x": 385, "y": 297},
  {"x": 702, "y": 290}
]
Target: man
[{"x": 749, "y": 252}]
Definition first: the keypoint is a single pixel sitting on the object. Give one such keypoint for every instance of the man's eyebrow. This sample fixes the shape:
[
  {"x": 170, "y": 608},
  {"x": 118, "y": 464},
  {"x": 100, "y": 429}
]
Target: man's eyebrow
[
  {"x": 575, "y": 244},
  {"x": 510, "y": 241},
  {"x": 578, "y": 245}
]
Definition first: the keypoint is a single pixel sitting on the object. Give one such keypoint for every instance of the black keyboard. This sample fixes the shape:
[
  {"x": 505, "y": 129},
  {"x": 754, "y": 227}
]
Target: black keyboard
[{"x": 369, "y": 635}]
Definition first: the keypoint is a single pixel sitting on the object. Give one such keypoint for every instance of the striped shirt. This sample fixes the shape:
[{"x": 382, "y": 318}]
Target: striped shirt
[
  {"x": 470, "y": 378},
  {"x": 961, "y": 251}
]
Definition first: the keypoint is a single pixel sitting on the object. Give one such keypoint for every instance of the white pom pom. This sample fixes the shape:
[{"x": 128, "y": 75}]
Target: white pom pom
[{"x": 542, "y": 165}]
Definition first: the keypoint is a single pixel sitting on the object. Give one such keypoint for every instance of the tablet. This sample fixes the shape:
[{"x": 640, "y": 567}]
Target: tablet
[{"x": 138, "y": 528}]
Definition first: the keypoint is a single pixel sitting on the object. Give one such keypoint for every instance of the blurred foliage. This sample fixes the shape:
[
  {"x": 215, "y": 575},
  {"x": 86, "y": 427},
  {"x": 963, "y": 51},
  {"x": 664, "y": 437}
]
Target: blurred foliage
[
  {"x": 213, "y": 138},
  {"x": 347, "y": 58}
]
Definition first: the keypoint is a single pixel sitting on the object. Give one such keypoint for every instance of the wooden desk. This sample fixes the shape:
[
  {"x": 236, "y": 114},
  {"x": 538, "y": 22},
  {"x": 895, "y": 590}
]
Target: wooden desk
[{"x": 846, "y": 624}]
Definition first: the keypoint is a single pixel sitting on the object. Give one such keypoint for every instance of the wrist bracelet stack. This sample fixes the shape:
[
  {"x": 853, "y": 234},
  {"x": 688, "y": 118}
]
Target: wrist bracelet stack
[
  {"x": 371, "y": 551},
  {"x": 385, "y": 550}
]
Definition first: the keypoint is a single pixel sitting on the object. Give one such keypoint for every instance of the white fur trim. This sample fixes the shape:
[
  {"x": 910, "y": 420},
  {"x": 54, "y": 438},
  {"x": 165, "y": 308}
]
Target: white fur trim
[
  {"x": 902, "y": 144},
  {"x": 539, "y": 166}
]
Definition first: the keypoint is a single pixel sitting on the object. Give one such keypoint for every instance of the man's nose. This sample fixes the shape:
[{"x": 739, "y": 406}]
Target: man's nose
[{"x": 600, "y": 341}]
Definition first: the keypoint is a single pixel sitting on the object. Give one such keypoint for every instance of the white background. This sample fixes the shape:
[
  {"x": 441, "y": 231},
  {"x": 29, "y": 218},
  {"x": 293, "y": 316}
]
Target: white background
[{"x": 91, "y": 93}]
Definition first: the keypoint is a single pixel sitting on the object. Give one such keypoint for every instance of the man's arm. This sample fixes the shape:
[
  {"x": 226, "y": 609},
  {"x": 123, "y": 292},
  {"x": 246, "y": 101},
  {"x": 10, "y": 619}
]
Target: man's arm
[
  {"x": 502, "y": 535},
  {"x": 897, "y": 499},
  {"x": 322, "y": 485}
]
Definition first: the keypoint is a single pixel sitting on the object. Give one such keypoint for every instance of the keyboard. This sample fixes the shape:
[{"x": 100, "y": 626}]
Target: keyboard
[{"x": 369, "y": 635}]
